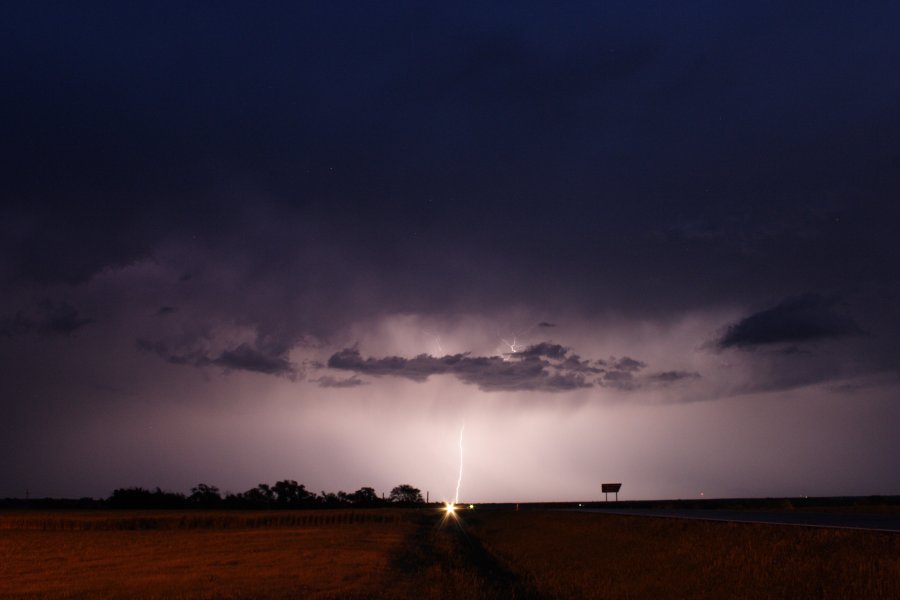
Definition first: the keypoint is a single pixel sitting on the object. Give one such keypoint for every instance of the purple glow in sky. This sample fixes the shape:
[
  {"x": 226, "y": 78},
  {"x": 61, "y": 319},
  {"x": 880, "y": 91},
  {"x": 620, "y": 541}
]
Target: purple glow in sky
[{"x": 633, "y": 242}]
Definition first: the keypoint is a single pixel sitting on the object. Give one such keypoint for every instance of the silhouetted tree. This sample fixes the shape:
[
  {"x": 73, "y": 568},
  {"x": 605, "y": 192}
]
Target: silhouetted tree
[
  {"x": 163, "y": 499},
  {"x": 289, "y": 493},
  {"x": 364, "y": 496},
  {"x": 262, "y": 496},
  {"x": 137, "y": 497},
  {"x": 406, "y": 494},
  {"x": 331, "y": 499},
  {"x": 205, "y": 495},
  {"x": 265, "y": 491},
  {"x": 133, "y": 497}
]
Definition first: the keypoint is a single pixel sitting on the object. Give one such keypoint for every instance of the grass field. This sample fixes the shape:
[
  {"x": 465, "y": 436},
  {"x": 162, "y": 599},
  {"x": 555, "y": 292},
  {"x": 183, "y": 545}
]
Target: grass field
[
  {"x": 578, "y": 555},
  {"x": 384, "y": 553},
  {"x": 315, "y": 554}
]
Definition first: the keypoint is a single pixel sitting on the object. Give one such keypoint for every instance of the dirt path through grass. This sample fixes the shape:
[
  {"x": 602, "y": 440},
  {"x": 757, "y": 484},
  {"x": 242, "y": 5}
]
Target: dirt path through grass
[{"x": 442, "y": 560}]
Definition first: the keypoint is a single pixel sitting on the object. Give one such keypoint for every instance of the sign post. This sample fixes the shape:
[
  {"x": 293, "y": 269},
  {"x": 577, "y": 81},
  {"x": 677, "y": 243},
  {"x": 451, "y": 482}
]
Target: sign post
[{"x": 611, "y": 488}]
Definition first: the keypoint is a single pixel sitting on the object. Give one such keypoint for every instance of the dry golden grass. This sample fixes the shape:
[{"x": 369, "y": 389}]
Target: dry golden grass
[
  {"x": 313, "y": 554},
  {"x": 191, "y": 519},
  {"x": 577, "y": 555},
  {"x": 398, "y": 554}
]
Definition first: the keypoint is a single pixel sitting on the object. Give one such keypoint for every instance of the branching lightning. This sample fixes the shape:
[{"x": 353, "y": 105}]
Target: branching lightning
[{"x": 514, "y": 346}]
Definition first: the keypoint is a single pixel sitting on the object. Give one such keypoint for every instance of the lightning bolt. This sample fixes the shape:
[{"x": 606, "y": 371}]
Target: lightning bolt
[
  {"x": 514, "y": 346},
  {"x": 459, "y": 479}
]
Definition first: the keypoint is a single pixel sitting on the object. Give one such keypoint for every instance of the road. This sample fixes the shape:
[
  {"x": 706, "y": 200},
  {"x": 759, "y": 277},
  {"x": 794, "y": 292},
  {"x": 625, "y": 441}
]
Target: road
[{"x": 871, "y": 522}]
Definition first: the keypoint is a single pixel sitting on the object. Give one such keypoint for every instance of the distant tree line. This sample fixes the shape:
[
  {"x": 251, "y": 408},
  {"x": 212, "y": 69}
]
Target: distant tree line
[{"x": 285, "y": 494}]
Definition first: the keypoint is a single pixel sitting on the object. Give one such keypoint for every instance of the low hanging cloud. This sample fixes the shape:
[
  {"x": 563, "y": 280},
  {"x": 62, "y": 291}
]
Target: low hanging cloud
[
  {"x": 544, "y": 349},
  {"x": 626, "y": 364},
  {"x": 248, "y": 358},
  {"x": 806, "y": 318},
  {"x": 271, "y": 360},
  {"x": 544, "y": 367},
  {"x": 666, "y": 377},
  {"x": 513, "y": 372}
]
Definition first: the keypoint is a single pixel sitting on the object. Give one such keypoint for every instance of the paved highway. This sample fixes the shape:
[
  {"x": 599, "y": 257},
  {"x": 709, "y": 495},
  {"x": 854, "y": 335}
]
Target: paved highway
[{"x": 872, "y": 522}]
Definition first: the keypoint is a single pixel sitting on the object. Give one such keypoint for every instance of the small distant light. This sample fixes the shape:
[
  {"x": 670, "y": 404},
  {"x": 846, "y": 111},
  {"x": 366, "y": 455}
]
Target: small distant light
[
  {"x": 471, "y": 506},
  {"x": 580, "y": 504}
]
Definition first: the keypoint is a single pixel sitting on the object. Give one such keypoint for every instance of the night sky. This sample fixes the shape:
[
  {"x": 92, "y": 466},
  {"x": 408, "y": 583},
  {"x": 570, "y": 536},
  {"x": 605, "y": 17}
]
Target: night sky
[{"x": 647, "y": 242}]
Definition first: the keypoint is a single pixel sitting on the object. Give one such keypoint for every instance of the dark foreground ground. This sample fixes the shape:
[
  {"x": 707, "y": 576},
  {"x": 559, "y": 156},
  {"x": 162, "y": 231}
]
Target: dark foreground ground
[{"x": 390, "y": 553}]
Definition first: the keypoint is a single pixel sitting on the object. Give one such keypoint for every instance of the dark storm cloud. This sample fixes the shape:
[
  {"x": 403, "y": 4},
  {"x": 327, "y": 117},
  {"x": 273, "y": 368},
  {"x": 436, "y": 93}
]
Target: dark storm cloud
[
  {"x": 489, "y": 373},
  {"x": 363, "y": 142},
  {"x": 545, "y": 367},
  {"x": 130, "y": 128},
  {"x": 806, "y": 318},
  {"x": 528, "y": 373},
  {"x": 248, "y": 358},
  {"x": 624, "y": 364},
  {"x": 45, "y": 318},
  {"x": 267, "y": 359},
  {"x": 672, "y": 376},
  {"x": 576, "y": 364},
  {"x": 418, "y": 369},
  {"x": 544, "y": 349}
]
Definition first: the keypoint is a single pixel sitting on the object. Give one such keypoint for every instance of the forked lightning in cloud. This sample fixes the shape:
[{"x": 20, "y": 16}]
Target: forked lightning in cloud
[{"x": 514, "y": 346}]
